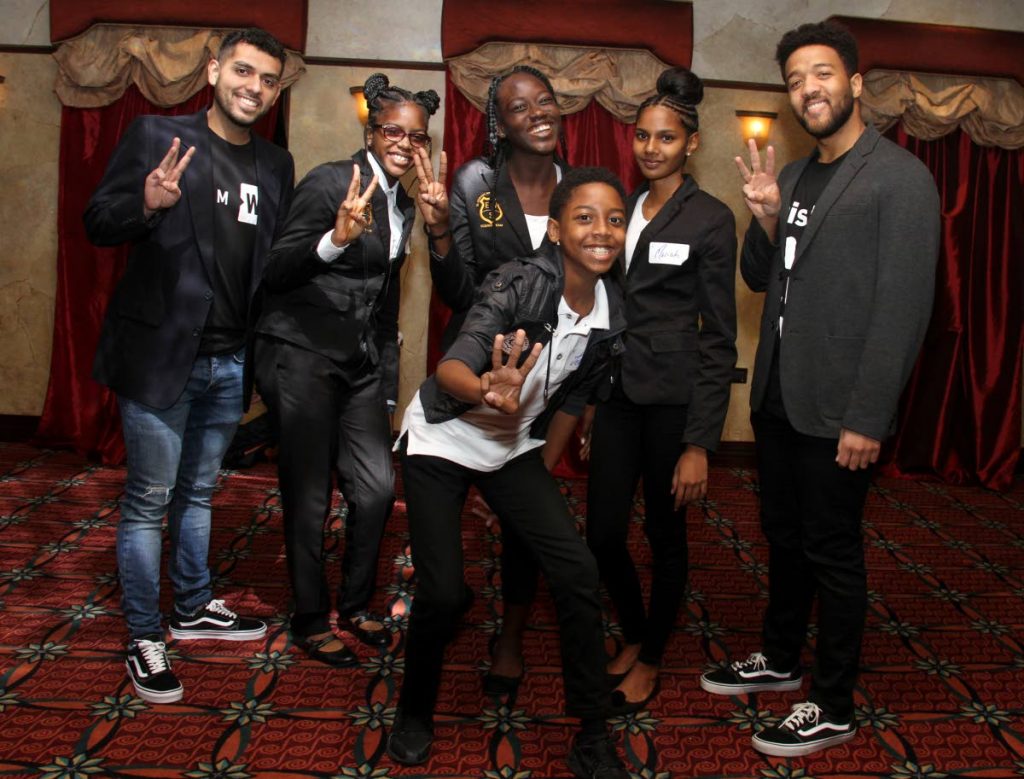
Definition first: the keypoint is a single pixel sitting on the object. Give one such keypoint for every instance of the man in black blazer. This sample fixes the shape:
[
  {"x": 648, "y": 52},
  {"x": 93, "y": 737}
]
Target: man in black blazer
[
  {"x": 173, "y": 340},
  {"x": 845, "y": 244}
]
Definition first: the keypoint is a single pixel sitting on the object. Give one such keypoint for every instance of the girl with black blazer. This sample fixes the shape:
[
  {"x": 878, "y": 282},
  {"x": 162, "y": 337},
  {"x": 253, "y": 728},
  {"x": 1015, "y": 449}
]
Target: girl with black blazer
[
  {"x": 499, "y": 210},
  {"x": 670, "y": 398},
  {"x": 327, "y": 360}
]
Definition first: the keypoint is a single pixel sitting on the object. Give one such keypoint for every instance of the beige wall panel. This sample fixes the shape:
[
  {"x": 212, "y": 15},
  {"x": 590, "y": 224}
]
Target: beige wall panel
[
  {"x": 30, "y": 128},
  {"x": 714, "y": 168}
]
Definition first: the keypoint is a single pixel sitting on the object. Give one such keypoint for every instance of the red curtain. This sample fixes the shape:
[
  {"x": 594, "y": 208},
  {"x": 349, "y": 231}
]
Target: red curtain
[
  {"x": 961, "y": 411},
  {"x": 78, "y": 412},
  {"x": 593, "y": 137}
]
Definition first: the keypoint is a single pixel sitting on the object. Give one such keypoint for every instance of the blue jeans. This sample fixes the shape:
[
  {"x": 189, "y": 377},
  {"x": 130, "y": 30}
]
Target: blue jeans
[{"x": 174, "y": 457}]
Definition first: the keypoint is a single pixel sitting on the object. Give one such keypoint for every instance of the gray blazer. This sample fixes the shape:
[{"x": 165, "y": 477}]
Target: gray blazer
[{"x": 860, "y": 292}]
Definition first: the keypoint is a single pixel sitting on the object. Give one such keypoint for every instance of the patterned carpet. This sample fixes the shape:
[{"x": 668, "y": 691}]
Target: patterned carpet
[{"x": 941, "y": 695}]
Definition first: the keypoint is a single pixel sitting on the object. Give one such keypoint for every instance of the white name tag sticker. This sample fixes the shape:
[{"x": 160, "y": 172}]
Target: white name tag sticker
[{"x": 663, "y": 253}]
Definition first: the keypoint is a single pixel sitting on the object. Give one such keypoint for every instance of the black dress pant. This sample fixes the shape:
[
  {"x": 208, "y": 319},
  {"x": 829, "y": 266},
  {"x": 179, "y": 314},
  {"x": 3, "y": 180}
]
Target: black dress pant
[
  {"x": 331, "y": 420},
  {"x": 811, "y": 516},
  {"x": 630, "y": 442},
  {"x": 527, "y": 497}
]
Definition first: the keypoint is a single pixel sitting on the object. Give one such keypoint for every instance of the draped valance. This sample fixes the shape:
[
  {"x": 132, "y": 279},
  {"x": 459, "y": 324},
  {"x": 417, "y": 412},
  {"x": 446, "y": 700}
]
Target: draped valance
[
  {"x": 989, "y": 110},
  {"x": 167, "y": 64},
  {"x": 618, "y": 79}
]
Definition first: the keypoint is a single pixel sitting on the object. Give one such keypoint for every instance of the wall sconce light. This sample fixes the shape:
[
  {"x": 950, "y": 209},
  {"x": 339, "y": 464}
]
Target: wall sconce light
[
  {"x": 362, "y": 111},
  {"x": 756, "y": 125}
]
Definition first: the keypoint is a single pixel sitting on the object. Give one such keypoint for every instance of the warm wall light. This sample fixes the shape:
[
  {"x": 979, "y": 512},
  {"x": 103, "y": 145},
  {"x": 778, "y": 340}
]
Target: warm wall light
[
  {"x": 756, "y": 125},
  {"x": 361, "y": 109}
]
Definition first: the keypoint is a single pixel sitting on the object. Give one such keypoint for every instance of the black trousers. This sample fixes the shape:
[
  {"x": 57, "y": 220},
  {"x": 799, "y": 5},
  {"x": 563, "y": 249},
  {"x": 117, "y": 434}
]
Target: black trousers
[
  {"x": 526, "y": 496},
  {"x": 631, "y": 442},
  {"x": 331, "y": 420},
  {"x": 811, "y": 516}
]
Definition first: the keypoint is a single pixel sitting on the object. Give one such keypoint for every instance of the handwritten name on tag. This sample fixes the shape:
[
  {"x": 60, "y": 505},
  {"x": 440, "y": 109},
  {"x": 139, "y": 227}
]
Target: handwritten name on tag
[{"x": 663, "y": 253}]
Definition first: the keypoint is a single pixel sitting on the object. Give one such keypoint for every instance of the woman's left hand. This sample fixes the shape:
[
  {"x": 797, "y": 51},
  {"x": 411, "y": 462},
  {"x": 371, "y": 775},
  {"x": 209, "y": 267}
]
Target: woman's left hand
[
  {"x": 690, "y": 480},
  {"x": 432, "y": 198}
]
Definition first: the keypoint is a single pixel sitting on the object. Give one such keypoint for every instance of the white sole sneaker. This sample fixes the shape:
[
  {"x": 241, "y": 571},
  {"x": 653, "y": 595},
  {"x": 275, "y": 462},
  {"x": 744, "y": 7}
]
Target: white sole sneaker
[{"x": 798, "y": 750}]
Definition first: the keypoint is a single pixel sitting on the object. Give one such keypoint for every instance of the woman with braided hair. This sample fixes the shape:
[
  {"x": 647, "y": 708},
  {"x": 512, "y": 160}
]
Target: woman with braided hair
[
  {"x": 499, "y": 210},
  {"x": 327, "y": 359},
  {"x": 668, "y": 403}
]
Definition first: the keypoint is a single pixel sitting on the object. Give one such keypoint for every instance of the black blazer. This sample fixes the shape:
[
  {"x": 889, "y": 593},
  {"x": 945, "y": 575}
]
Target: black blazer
[
  {"x": 346, "y": 310},
  {"x": 681, "y": 318},
  {"x": 151, "y": 331},
  {"x": 488, "y": 230}
]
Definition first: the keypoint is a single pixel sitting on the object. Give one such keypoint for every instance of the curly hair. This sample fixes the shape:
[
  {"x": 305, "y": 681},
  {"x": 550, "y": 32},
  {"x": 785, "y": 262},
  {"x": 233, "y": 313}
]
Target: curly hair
[
  {"x": 254, "y": 36},
  {"x": 827, "y": 33},
  {"x": 576, "y": 178}
]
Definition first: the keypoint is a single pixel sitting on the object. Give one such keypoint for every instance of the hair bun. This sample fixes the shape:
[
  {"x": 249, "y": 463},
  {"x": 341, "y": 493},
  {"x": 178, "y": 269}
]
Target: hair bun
[
  {"x": 374, "y": 85},
  {"x": 429, "y": 99},
  {"x": 682, "y": 84}
]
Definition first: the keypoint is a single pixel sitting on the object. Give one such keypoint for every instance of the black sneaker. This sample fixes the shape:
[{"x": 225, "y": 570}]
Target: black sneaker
[
  {"x": 755, "y": 674},
  {"x": 594, "y": 757},
  {"x": 807, "y": 729},
  {"x": 215, "y": 620},
  {"x": 150, "y": 671}
]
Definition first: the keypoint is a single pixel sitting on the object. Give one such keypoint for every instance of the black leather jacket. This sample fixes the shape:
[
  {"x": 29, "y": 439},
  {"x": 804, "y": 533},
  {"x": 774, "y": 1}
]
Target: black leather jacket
[
  {"x": 488, "y": 229},
  {"x": 524, "y": 294}
]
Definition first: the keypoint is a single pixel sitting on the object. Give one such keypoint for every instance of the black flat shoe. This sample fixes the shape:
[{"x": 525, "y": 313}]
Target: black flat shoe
[
  {"x": 497, "y": 684},
  {"x": 620, "y": 705},
  {"x": 353, "y": 624},
  {"x": 410, "y": 740},
  {"x": 338, "y": 658},
  {"x": 614, "y": 680}
]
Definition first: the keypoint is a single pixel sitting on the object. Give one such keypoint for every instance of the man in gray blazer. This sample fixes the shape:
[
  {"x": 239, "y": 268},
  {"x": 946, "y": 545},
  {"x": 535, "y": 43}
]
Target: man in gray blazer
[{"x": 845, "y": 244}]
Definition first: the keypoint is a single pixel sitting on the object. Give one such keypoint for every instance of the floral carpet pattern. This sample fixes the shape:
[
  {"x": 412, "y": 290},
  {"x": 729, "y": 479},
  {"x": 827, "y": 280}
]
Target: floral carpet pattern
[{"x": 941, "y": 694}]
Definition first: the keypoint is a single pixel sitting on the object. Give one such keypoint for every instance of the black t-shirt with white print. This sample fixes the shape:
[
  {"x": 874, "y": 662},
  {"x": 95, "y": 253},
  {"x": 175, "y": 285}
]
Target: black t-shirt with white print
[
  {"x": 236, "y": 196},
  {"x": 797, "y": 213}
]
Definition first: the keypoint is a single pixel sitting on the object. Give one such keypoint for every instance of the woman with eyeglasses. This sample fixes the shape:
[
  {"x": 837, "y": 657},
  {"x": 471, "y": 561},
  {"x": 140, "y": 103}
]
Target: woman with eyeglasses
[{"x": 327, "y": 360}]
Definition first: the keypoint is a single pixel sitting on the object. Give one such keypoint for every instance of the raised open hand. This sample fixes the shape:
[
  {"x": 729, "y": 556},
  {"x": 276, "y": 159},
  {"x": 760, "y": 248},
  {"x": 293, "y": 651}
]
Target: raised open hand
[
  {"x": 161, "y": 188},
  {"x": 432, "y": 199},
  {"x": 355, "y": 214},
  {"x": 760, "y": 187},
  {"x": 502, "y": 384}
]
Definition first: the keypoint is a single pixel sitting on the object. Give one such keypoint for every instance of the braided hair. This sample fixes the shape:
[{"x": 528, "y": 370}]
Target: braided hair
[
  {"x": 496, "y": 151},
  {"x": 381, "y": 94},
  {"x": 679, "y": 89}
]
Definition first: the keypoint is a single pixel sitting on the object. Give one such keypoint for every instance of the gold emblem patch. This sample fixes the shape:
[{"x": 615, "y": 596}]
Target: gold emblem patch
[{"x": 490, "y": 211}]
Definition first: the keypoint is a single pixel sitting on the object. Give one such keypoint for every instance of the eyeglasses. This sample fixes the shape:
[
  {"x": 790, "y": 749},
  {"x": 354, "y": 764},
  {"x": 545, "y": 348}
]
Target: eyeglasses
[{"x": 396, "y": 134}]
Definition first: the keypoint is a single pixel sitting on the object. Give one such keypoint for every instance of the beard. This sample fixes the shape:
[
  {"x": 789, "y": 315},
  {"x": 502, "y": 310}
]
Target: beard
[
  {"x": 840, "y": 114},
  {"x": 223, "y": 99}
]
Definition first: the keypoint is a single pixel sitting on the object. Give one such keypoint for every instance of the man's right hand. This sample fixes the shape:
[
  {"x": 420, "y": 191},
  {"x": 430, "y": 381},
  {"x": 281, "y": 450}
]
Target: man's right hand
[
  {"x": 161, "y": 189},
  {"x": 761, "y": 188}
]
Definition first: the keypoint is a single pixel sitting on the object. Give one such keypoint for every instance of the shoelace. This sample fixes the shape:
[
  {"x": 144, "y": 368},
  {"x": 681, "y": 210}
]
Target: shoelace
[
  {"x": 802, "y": 714},
  {"x": 217, "y": 607},
  {"x": 154, "y": 654},
  {"x": 756, "y": 661}
]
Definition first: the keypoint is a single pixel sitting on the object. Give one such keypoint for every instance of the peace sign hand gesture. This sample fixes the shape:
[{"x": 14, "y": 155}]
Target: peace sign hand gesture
[
  {"x": 502, "y": 384},
  {"x": 760, "y": 187},
  {"x": 354, "y": 216},
  {"x": 161, "y": 189},
  {"x": 432, "y": 199}
]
